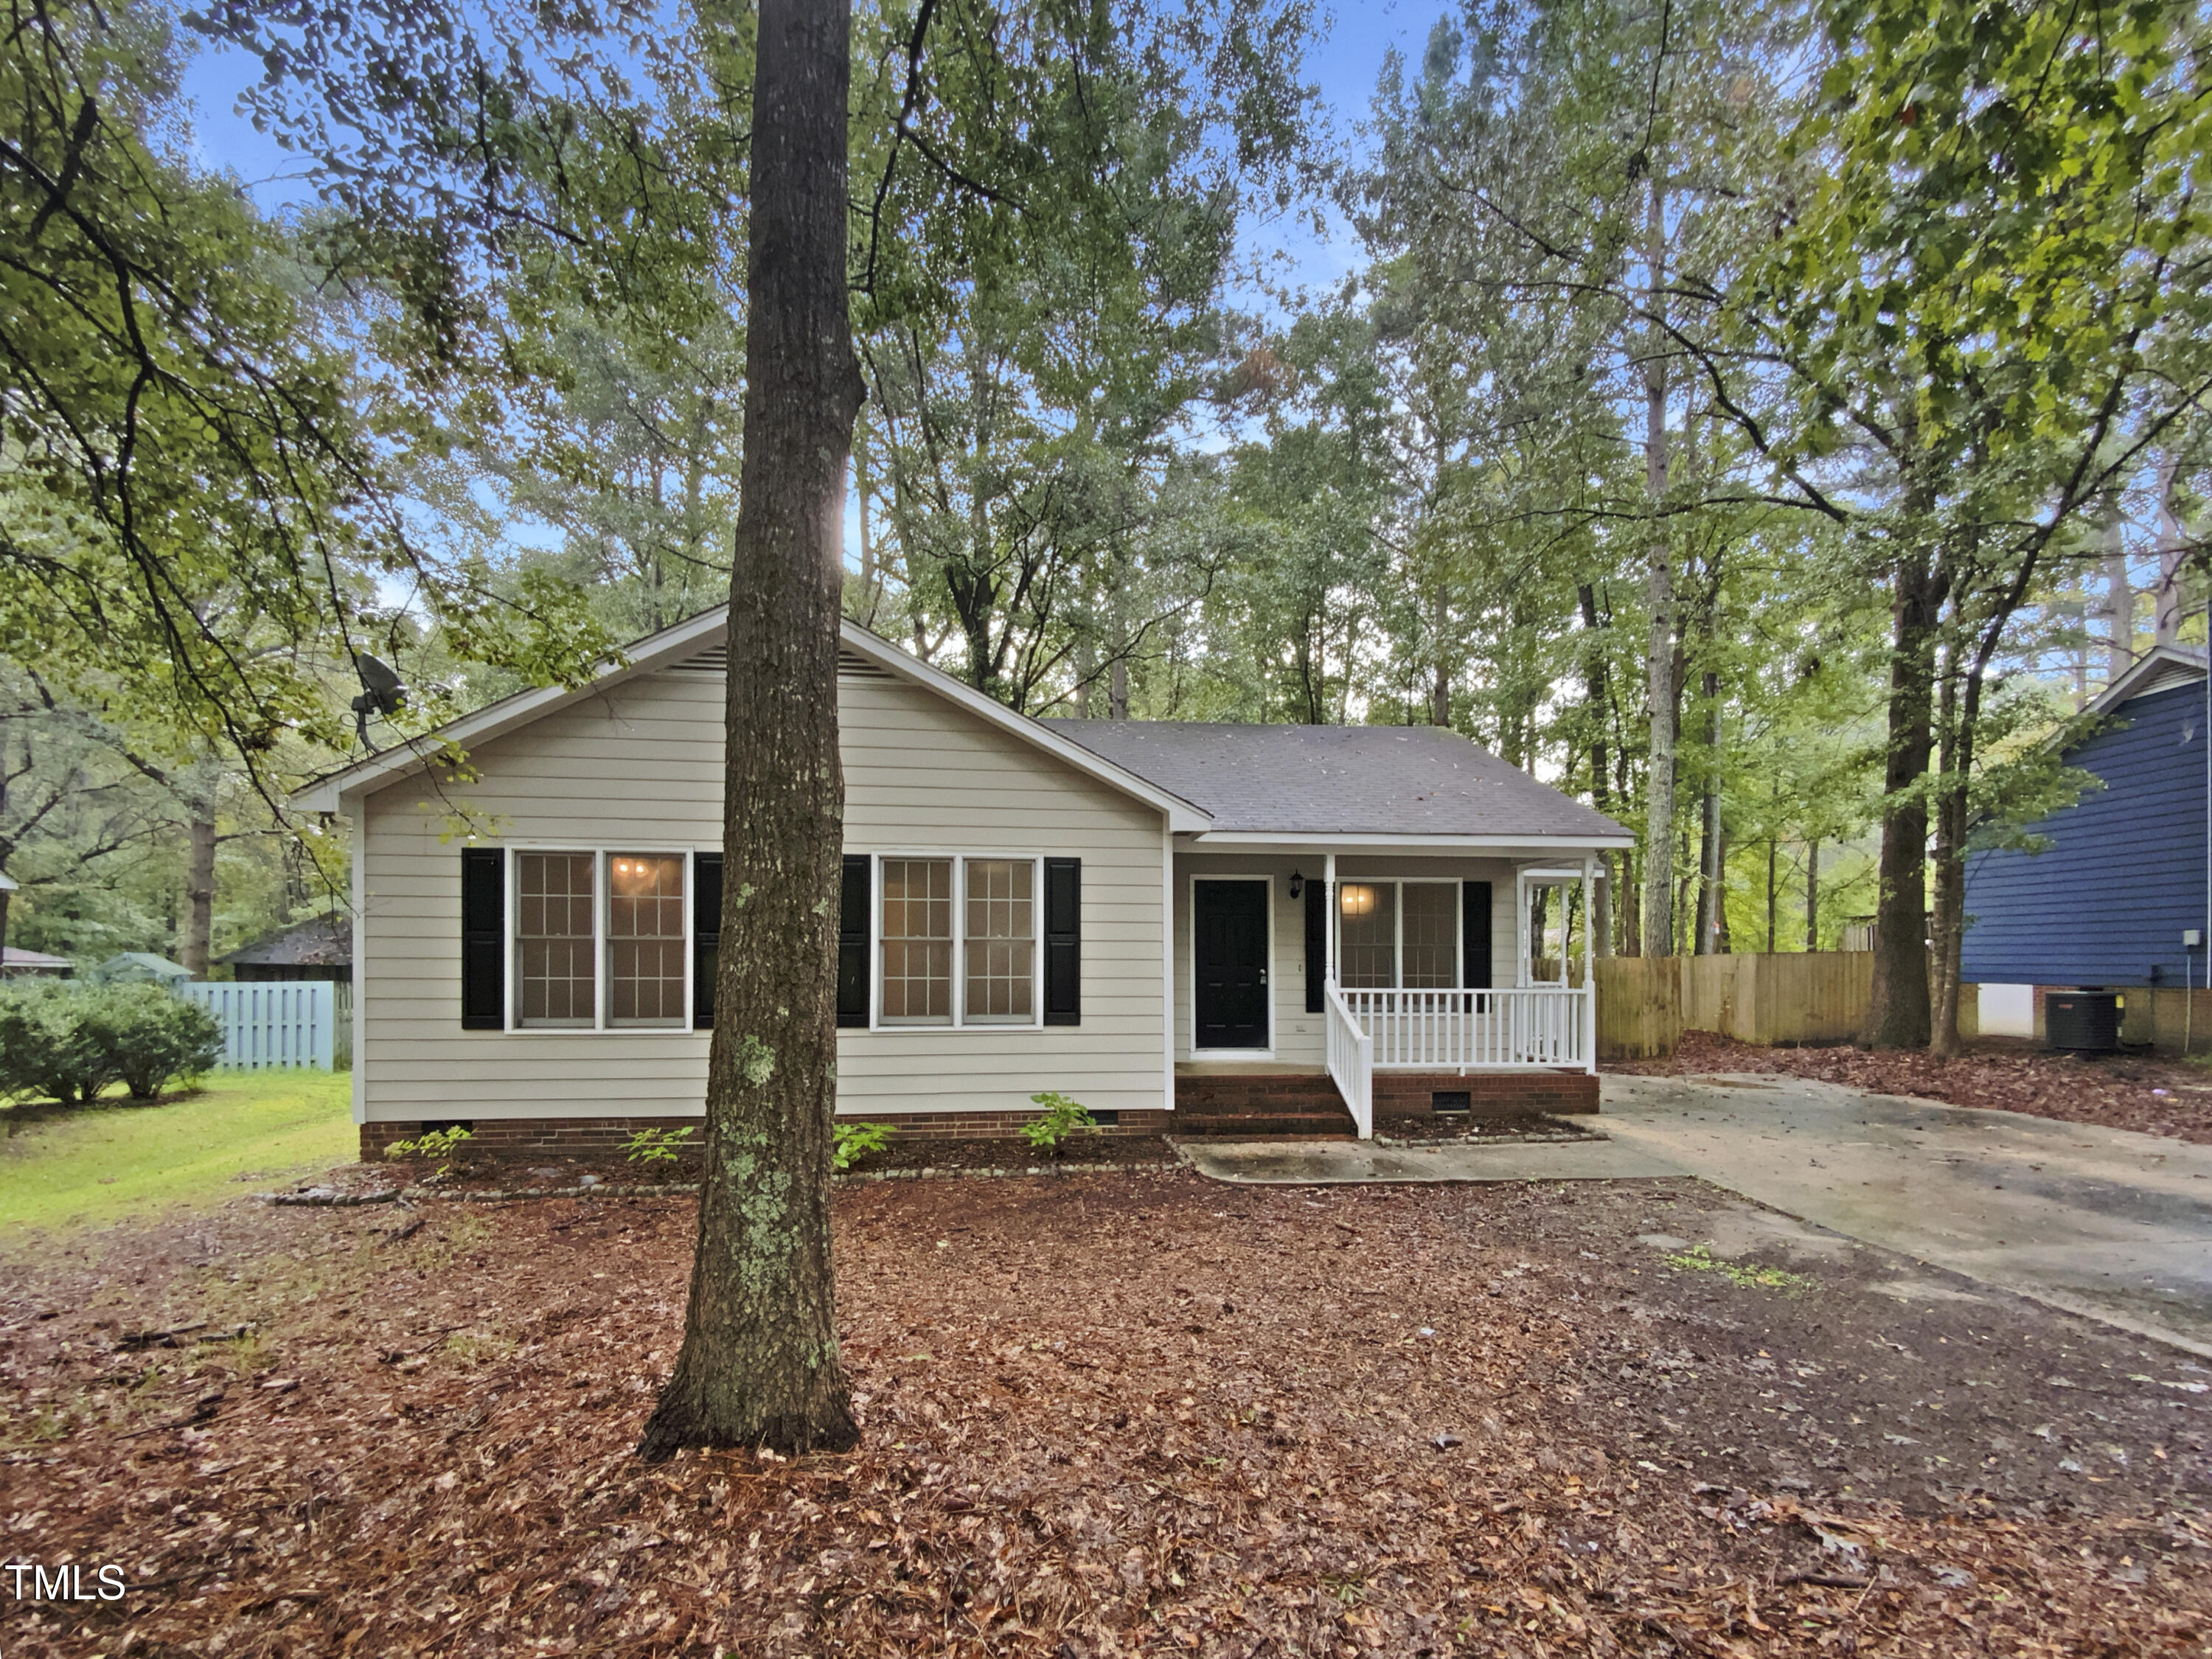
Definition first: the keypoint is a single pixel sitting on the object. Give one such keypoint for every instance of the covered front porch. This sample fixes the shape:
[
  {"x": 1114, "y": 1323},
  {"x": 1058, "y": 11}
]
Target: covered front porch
[{"x": 1415, "y": 982}]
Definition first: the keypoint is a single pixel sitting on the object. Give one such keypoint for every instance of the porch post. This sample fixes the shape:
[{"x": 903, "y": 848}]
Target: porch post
[
  {"x": 1589, "y": 975},
  {"x": 1329, "y": 917}
]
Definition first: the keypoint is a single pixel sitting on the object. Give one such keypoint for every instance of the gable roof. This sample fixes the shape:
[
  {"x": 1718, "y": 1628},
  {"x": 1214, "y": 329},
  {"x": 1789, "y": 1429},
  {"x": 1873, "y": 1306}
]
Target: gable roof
[
  {"x": 1369, "y": 782},
  {"x": 325, "y": 942},
  {"x": 699, "y": 640},
  {"x": 2161, "y": 668}
]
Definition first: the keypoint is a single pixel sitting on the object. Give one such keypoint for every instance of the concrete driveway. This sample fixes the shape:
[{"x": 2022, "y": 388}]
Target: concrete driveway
[{"x": 2101, "y": 1221}]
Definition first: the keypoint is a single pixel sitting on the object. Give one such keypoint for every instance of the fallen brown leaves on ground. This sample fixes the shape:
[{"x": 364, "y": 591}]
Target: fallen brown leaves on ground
[
  {"x": 2146, "y": 1093},
  {"x": 1112, "y": 1415}
]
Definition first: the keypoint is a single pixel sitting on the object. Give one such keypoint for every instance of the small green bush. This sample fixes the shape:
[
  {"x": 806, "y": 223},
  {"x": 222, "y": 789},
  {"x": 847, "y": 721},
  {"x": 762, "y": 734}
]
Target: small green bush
[
  {"x": 60, "y": 1040},
  {"x": 657, "y": 1145},
  {"x": 435, "y": 1143},
  {"x": 1062, "y": 1117},
  {"x": 851, "y": 1142}
]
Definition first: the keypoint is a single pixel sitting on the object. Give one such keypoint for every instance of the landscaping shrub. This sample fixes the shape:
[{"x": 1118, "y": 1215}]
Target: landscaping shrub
[
  {"x": 851, "y": 1142},
  {"x": 1062, "y": 1117},
  {"x": 45, "y": 1052},
  {"x": 64, "y": 1042}
]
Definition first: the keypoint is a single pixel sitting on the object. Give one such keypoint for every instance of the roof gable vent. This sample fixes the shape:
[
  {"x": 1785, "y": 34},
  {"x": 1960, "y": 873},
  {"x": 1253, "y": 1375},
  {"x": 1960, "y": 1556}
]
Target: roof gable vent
[{"x": 851, "y": 664}]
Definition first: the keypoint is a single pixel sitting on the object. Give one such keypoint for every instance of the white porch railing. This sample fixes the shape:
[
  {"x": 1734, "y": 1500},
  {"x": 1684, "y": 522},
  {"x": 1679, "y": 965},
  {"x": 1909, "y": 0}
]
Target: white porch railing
[
  {"x": 1526, "y": 1027},
  {"x": 1351, "y": 1062}
]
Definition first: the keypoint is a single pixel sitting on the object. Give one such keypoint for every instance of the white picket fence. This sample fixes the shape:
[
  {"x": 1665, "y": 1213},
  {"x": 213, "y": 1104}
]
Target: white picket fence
[{"x": 273, "y": 1022}]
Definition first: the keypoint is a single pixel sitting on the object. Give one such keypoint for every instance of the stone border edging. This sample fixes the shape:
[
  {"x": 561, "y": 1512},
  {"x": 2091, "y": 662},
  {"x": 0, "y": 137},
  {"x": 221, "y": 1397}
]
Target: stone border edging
[
  {"x": 685, "y": 1189},
  {"x": 1566, "y": 1139}
]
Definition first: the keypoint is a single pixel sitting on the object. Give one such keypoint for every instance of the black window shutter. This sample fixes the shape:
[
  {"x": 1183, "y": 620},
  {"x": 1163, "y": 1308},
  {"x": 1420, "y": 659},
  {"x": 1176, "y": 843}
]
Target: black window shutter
[
  {"x": 1063, "y": 941},
  {"x": 1316, "y": 944},
  {"x": 484, "y": 939},
  {"x": 1474, "y": 927},
  {"x": 706, "y": 935},
  {"x": 852, "y": 943}
]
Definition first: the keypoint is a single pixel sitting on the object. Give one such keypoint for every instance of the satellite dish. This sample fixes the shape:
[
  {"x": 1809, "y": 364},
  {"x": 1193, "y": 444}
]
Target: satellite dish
[{"x": 382, "y": 693}]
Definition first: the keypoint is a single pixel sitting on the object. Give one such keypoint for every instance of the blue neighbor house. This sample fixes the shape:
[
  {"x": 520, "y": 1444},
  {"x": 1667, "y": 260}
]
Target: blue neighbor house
[{"x": 2122, "y": 881}]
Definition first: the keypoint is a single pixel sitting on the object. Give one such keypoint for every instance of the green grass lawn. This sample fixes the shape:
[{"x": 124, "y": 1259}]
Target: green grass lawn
[{"x": 88, "y": 1165}]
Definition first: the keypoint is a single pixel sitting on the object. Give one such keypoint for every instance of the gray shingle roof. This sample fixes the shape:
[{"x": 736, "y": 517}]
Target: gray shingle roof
[
  {"x": 1339, "y": 779},
  {"x": 326, "y": 942}
]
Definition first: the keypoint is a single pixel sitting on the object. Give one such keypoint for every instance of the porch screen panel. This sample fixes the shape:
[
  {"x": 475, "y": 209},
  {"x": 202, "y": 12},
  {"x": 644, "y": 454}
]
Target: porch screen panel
[
  {"x": 1432, "y": 937},
  {"x": 1367, "y": 940},
  {"x": 917, "y": 942},
  {"x": 645, "y": 939},
  {"x": 553, "y": 938},
  {"x": 1001, "y": 956}
]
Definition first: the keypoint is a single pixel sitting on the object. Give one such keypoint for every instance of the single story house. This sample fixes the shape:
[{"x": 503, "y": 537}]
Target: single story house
[
  {"x": 2118, "y": 898},
  {"x": 140, "y": 967},
  {"x": 1183, "y": 926},
  {"x": 318, "y": 950},
  {"x": 14, "y": 959}
]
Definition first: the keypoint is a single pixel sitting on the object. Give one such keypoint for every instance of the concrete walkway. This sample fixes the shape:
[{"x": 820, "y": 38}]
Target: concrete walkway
[
  {"x": 1333, "y": 1163},
  {"x": 2100, "y": 1221}
]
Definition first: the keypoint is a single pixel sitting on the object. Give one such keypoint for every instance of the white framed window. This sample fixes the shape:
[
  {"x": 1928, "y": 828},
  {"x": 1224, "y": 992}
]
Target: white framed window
[
  {"x": 648, "y": 951},
  {"x": 599, "y": 939},
  {"x": 914, "y": 941},
  {"x": 955, "y": 940},
  {"x": 1399, "y": 935},
  {"x": 557, "y": 939}
]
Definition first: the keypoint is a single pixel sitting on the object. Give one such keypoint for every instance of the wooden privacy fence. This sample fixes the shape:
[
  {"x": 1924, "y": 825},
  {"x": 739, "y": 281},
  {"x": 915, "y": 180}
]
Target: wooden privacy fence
[
  {"x": 1645, "y": 1004},
  {"x": 273, "y": 1021}
]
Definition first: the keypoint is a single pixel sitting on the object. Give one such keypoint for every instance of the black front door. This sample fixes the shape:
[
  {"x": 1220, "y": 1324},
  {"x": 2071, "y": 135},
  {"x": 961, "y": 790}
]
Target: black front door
[{"x": 1229, "y": 931}]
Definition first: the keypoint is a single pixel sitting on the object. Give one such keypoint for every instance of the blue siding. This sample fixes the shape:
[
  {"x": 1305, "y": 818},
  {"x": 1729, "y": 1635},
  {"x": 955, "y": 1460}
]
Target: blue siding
[{"x": 2107, "y": 902}]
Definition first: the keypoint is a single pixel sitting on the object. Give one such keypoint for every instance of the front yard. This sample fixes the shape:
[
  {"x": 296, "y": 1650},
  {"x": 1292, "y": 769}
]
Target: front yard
[{"x": 1113, "y": 1414}]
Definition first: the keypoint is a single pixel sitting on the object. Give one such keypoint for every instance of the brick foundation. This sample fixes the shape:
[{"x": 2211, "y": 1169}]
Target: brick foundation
[{"x": 1402, "y": 1095}]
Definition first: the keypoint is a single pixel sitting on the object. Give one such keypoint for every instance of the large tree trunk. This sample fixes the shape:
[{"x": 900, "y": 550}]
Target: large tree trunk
[
  {"x": 760, "y": 1365},
  {"x": 2119, "y": 595},
  {"x": 1897, "y": 1009},
  {"x": 195, "y": 948},
  {"x": 1947, "y": 927},
  {"x": 1712, "y": 910},
  {"x": 1596, "y": 698},
  {"x": 1813, "y": 893},
  {"x": 2172, "y": 555},
  {"x": 1661, "y": 689}
]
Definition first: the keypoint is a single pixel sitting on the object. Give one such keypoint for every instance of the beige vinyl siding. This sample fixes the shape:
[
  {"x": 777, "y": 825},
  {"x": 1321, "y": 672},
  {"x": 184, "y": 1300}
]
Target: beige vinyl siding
[
  {"x": 920, "y": 776},
  {"x": 635, "y": 766},
  {"x": 1298, "y": 1037}
]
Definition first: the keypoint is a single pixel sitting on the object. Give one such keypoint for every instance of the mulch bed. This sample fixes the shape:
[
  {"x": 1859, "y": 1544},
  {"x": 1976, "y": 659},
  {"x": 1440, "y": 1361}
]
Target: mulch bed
[
  {"x": 2149, "y": 1094},
  {"x": 1104, "y": 1415}
]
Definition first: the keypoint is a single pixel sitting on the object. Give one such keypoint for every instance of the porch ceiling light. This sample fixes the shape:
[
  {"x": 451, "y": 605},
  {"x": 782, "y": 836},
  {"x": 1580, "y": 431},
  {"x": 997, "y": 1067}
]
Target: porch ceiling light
[{"x": 1358, "y": 901}]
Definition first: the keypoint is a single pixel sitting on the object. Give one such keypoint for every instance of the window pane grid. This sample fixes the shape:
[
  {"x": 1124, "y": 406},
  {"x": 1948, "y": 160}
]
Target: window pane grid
[
  {"x": 1367, "y": 941},
  {"x": 553, "y": 934},
  {"x": 917, "y": 941},
  {"x": 645, "y": 939},
  {"x": 1429, "y": 958},
  {"x": 1001, "y": 941}
]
